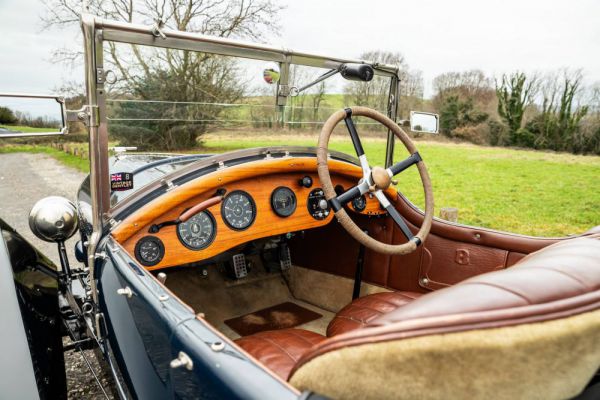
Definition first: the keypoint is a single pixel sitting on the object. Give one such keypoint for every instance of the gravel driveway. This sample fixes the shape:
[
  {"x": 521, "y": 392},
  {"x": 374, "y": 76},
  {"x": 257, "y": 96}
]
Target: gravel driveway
[{"x": 24, "y": 179}]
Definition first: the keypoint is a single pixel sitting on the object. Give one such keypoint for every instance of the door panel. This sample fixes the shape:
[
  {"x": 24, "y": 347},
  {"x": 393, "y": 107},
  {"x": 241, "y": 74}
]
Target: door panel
[
  {"x": 447, "y": 262},
  {"x": 137, "y": 333},
  {"x": 451, "y": 253},
  {"x": 149, "y": 329},
  {"x": 220, "y": 369}
]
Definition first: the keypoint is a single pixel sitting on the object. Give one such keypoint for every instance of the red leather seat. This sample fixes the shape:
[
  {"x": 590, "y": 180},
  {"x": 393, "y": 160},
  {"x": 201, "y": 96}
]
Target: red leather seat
[
  {"x": 365, "y": 309},
  {"x": 281, "y": 349},
  {"x": 559, "y": 281}
]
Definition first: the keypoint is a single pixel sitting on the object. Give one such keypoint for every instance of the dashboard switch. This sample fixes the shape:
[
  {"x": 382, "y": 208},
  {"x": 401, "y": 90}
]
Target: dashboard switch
[
  {"x": 306, "y": 181},
  {"x": 323, "y": 205}
]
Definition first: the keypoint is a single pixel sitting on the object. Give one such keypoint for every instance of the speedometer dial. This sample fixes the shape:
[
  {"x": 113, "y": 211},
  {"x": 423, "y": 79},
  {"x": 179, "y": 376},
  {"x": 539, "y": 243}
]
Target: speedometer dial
[
  {"x": 283, "y": 201},
  {"x": 238, "y": 210},
  {"x": 197, "y": 232}
]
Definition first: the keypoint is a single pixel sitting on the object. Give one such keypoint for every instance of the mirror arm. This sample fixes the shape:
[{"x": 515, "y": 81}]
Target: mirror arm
[{"x": 295, "y": 91}]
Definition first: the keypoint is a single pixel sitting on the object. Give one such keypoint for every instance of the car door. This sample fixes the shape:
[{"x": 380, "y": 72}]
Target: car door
[{"x": 162, "y": 349}]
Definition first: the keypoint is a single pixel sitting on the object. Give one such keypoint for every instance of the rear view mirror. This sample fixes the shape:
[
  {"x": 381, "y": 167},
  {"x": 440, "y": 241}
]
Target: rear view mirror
[
  {"x": 424, "y": 122},
  {"x": 31, "y": 115},
  {"x": 271, "y": 76}
]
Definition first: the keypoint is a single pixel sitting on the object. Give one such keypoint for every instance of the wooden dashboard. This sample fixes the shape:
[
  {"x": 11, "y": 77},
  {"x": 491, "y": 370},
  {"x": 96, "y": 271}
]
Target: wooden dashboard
[{"x": 258, "y": 179}]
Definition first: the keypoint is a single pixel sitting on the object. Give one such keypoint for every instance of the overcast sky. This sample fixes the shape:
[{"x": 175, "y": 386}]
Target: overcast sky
[{"x": 434, "y": 36}]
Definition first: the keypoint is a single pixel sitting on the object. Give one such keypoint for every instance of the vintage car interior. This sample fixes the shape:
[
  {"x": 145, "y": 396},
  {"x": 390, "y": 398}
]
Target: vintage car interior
[
  {"x": 290, "y": 253},
  {"x": 284, "y": 272}
]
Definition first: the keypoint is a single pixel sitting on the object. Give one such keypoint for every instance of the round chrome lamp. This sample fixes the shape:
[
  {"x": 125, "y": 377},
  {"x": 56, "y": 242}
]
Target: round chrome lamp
[{"x": 53, "y": 219}]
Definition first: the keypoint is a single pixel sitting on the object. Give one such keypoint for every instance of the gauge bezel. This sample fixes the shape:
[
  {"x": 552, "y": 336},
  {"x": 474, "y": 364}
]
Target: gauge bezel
[
  {"x": 278, "y": 188},
  {"x": 358, "y": 209},
  {"x": 161, "y": 248},
  {"x": 252, "y": 203},
  {"x": 212, "y": 237}
]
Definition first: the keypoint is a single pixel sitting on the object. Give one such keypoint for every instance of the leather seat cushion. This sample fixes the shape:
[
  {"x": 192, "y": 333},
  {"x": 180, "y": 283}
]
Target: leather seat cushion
[
  {"x": 279, "y": 350},
  {"x": 365, "y": 309}
]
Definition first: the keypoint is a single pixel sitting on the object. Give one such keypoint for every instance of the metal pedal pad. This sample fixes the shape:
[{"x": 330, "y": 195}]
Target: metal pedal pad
[
  {"x": 239, "y": 266},
  {"x": 285, "y": 259}
]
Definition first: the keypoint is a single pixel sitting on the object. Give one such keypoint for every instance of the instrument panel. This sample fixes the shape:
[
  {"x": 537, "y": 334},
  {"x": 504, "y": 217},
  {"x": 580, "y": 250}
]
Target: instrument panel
[{"x": 251, "y": 208}]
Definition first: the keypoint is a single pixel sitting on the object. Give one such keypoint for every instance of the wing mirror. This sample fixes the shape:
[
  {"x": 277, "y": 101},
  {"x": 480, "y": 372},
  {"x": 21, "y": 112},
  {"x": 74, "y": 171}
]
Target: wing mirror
[
  {"x": 32, "y": 115},
  {"x": 424, "y": 122}
]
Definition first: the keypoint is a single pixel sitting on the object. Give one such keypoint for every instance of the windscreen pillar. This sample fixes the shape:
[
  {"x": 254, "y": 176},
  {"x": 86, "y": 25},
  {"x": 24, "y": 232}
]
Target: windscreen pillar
[{"x": 283, "y": 91}]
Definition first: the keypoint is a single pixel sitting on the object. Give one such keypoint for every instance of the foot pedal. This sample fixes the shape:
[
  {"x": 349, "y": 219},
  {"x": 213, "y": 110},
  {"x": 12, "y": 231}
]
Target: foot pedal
[
  {"x": 285, "y": 259},
  {"x": 239, "y": 266}
]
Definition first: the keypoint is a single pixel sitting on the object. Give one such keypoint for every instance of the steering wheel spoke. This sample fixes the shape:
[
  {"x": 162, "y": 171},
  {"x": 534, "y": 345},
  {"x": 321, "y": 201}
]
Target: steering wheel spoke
[
  {"x": 389, "y": 207},
  {"x": 340, "y": 201},
  {"x": 404, "y": 164},
  {"x": 360, "y": 152}
]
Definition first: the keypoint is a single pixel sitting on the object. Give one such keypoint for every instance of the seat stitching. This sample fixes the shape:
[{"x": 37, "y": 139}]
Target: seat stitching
[
  {"x": 404, "y": 297},
  {"x": 277, "y": 345},
  {"x": 368, "y": 308},
  {"x": 499, "y": 287},
  {"x": 563, "y": 273},
  {"x": 350, "y": 318},
  {"x": 300, "y": 337}
]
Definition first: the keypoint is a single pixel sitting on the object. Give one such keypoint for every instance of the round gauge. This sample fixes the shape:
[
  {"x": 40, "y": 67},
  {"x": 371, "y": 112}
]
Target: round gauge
[
  {"x": 198, "y": 232},
  {"x": 283, "y": 201},
  {"x": 238, "y": 210},
  {"x": 149, "y": 250},
  {"x": 360, "y": 203}
]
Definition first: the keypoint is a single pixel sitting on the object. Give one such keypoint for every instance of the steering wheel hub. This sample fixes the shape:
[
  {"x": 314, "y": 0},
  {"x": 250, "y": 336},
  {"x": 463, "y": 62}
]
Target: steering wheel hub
[{"x": 381, "y": 179}]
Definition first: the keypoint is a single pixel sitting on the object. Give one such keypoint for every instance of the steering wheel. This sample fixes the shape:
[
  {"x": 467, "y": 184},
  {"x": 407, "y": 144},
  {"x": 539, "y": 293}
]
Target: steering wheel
[{"x": 374, "y": 180}]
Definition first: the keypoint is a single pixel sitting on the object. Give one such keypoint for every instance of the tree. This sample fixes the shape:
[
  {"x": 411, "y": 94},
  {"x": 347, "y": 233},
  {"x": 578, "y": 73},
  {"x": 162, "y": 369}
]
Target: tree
[
  {"x": 7, "y": 116},
  {"x": 557, "y": 127},
  {"x": 375, "y": 93},
  {"x": 515, "y": 93},
  {"x": 177, "y": 76},
  {"x": 456, "y": 113},
  {"x": 466, "y": 85}
]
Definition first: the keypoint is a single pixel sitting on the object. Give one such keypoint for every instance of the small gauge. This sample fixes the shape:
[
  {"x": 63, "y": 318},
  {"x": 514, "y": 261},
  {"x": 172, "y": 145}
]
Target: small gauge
[
  {"x": 238, "y": 210},
  {"x": 149, "y": 250},
  {"x": 318, "y": 206},
  {"x": 360, "y": 203},
  {"x": 198, "y": 232},
  {"x": 283, "y": 201}
]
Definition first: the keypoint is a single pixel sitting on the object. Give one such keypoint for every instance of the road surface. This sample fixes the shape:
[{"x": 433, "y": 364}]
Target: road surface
[{"x": 24, "y": 179}]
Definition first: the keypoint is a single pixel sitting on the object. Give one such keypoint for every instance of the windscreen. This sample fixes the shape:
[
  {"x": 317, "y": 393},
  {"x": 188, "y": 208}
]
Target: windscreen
[{"x": 181, "y": 106}]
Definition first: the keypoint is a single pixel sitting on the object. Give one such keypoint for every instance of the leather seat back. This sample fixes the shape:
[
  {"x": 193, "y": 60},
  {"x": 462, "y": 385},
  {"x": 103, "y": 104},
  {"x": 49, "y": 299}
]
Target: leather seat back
[{"x": 531, "y": 331}]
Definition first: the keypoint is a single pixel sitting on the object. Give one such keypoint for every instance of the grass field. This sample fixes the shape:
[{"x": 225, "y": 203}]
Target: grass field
[
  {"x": 27, "y": 129},
  {"x": 65, "y": 158},
  {"x": 528, "y": 192}
]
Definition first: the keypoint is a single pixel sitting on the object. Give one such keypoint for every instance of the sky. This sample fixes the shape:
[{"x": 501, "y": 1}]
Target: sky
[{"x": 433, "y": 36}]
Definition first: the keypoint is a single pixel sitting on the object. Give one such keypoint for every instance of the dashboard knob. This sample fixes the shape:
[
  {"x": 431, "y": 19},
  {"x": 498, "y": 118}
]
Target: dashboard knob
[
  {"x": 306, "y": 181},
  {"x": 323, "y": 204}
]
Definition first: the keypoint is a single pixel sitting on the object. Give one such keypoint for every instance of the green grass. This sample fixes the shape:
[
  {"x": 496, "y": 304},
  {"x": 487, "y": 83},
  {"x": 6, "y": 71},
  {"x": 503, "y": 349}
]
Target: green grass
[
  {"x": 522, "y": 191},
  {"x": 27, "y": 129},
  {"x": 65, "y": 158},
  {"x": 527, "y": 192}
]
